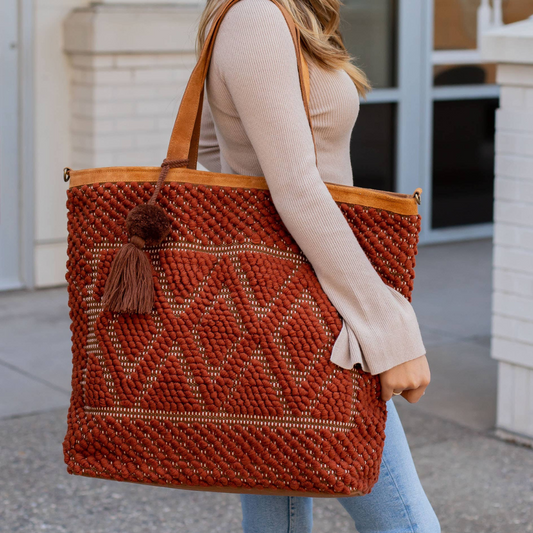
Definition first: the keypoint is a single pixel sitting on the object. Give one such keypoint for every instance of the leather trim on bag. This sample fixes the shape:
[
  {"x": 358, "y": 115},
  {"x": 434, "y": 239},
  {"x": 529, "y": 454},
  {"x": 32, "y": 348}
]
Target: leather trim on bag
[{"x": 403, "y": 204}]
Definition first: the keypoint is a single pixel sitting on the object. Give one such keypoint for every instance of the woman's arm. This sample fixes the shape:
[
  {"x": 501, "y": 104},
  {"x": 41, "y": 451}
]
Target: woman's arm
[
  {"x": 254, "y": 57},
  {"x": 208, "y": 147}
]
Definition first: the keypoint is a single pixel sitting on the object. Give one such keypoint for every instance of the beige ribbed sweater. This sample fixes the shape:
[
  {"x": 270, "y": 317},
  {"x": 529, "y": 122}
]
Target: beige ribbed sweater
[{"x": 254, "y": 123}]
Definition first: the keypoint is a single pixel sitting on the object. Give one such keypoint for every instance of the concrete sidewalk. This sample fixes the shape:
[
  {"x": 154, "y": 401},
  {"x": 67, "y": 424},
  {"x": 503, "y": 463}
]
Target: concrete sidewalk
[{"x": 475, "y": 482}]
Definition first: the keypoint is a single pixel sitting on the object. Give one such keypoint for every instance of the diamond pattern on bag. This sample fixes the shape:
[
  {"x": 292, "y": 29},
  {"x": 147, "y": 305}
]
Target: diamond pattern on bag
[
  {"x": 303, "y": 343},
  {"x": 185, "y": 270},
  {"x": 96, "y": 391},
  {"x": 134, "y": 332},
  {"x": 104, "y": 266},
  {"x": 129, "y": 374},
  {"x": 218, "y": 331},
  {"x": 266, "y": 274},
  {"x": 254, "y": 394}
]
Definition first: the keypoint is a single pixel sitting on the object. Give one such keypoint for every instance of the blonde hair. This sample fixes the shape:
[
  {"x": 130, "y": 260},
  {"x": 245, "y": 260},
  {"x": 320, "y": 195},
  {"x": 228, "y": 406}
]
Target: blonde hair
[{"x": 318, "y": 22}]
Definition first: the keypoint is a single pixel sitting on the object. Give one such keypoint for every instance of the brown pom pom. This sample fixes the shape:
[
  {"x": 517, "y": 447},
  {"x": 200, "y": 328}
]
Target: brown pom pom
[
  {"x": 129, "y": 287},
  {"x": 149, "y": 222}
]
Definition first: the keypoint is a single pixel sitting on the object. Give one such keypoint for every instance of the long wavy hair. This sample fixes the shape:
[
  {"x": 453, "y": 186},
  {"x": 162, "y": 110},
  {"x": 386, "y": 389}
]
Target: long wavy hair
[{"x": 318, "y": 22}]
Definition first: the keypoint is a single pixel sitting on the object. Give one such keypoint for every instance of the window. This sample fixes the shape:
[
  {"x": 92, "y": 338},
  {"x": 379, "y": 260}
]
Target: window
[
  {"x": 368, "y": 28},
  {"x": 463, "y": 162}
]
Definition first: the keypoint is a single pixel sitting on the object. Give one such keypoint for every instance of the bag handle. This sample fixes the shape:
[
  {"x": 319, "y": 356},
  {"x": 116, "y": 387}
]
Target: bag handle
[{"x": 185, "y": 138}]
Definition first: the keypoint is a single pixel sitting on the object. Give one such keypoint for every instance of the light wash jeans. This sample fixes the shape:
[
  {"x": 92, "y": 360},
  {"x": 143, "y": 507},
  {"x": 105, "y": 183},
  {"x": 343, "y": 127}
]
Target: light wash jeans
[{"x": 397, "y": 503}]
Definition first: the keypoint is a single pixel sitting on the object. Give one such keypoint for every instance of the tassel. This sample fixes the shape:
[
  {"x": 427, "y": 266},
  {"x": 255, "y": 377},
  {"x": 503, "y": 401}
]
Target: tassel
[{"x": 129, "y": 287}]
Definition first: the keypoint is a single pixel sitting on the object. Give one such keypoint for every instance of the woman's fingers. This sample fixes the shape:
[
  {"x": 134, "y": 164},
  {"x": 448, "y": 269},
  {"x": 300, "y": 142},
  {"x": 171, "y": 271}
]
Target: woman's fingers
[
  {"x": 413, "y": 395},
  {"x": 386, "y": 391},
  {"x": 411, "y": 377}
]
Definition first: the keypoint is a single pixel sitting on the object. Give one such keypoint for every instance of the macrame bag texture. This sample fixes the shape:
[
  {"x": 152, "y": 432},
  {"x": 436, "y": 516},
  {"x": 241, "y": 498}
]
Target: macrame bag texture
[{"x": 201, "y": 335}]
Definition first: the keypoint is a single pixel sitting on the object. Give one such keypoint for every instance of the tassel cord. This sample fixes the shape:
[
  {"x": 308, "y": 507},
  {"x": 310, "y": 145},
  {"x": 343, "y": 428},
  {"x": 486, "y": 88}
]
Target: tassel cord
[{"x": 165, "y": 167}]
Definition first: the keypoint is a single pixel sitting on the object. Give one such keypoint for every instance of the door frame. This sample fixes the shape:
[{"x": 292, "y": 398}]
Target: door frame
[
  {"x": 16, "y": 32},
  {"x": 27, "y": 142},
  {"x": 407, "y": 95},
  {"x": 9, "y": 145}
]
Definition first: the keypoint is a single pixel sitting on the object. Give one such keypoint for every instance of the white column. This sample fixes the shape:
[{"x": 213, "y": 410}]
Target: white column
[
  {"x": 484, "y": 19},
  {"x": 511, "y": 47},
  {"x": 130, "y": 64},
  {"x": 498, "y": 13}
]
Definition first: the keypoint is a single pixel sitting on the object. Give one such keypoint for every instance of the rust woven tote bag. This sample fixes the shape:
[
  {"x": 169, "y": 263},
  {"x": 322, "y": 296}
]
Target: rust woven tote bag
[{"x": 201, "y": 335}]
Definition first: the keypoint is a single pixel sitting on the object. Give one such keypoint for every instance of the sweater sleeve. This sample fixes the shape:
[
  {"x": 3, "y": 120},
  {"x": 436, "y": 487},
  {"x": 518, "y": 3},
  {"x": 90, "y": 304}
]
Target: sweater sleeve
[
  {"x": 208, "y": 147},
  {"x": 254, "y": 57}
]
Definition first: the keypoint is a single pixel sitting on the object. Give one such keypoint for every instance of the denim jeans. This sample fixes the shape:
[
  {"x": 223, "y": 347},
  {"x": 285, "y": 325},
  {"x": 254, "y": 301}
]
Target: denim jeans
[{"x": 396, "y": 504}]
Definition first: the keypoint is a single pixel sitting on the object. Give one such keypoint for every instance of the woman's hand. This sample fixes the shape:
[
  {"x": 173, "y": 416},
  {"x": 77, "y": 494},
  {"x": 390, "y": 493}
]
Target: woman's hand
[{"x": 411, "y": 377}]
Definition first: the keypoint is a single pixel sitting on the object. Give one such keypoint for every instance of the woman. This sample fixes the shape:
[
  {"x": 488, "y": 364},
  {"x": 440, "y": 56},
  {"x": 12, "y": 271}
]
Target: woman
[{"x": 254, "y": 123}]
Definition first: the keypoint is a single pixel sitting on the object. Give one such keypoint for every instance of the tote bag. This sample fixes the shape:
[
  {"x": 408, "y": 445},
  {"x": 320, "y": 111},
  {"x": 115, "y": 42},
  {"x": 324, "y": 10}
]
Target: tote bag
[{"x": 201, "y": 336}]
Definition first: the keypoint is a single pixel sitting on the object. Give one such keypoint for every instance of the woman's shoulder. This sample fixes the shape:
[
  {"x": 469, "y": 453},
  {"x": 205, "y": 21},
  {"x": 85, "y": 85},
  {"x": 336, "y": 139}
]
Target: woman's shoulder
[
  {"x": 252, "y": 32},
  {"x": 253, "y": 15}
]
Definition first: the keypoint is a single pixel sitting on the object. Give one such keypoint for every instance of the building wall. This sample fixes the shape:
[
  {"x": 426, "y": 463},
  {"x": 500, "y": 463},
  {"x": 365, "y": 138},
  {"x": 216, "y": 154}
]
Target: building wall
[
  {"x": 512, "y": 320},
  {"x": 108, "y": 82},
  {"x": 52, "y": 140},
  {"x": 130, "y": 66},
  {"x": 512, "y": 299}
]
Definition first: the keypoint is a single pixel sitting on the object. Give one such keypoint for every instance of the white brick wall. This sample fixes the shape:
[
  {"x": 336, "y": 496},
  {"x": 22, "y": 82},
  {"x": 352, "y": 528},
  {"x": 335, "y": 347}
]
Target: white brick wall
[
  {"x": 514, "y": 120},
  {"x": 512, "y": 282},
  {"x": 515, "y": 403},
  {"x": 124, "y": 106},
  {"x": 512, "y": 303},
  {"x": 517, "y": 97},
  {"x": 515, "y": 74},
  {"x": 514, "y": 143},
  {"x": 514, "y": 236}
]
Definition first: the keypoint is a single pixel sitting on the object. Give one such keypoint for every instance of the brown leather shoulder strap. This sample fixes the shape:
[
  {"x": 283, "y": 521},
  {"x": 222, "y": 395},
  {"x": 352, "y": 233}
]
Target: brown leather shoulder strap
[
  {"x": 307, "y": 86},
  {"x": 186, "y": 132}
]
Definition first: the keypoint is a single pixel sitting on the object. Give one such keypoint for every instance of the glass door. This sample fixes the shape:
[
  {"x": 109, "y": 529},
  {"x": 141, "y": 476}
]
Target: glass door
[
  {"x": 370, "y": 32},
  {"x": 461, "y": 125},
  {"x": 389, "y": 42},
  {"x": 429, "y": 121}
]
